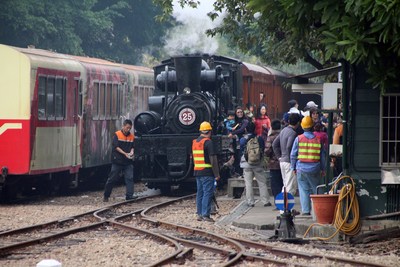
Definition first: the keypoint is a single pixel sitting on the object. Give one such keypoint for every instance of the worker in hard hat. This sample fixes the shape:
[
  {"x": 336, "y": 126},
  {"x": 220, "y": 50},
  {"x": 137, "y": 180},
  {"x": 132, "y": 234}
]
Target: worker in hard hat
[
  {"x": 206, "y": 171},
  {"x": 307, "y": 160}
]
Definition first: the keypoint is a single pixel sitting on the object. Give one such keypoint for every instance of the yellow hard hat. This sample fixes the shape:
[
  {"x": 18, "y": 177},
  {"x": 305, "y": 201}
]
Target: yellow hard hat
[
  {"x": 307, "y": 122},
  {"x": 205, "y": 126}
]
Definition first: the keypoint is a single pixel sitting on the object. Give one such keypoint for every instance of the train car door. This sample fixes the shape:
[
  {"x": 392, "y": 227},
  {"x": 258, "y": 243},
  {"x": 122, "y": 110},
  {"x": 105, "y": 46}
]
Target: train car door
[{"x": 77, "y": 122}]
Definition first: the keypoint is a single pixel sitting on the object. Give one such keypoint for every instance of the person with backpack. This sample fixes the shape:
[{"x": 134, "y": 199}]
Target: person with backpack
[
  {"x": 252, "y": 148},
  {"x": 273, "y": 162}
]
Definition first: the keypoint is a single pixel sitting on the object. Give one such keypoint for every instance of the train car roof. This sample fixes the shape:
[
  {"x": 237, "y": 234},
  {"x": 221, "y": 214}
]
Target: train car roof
[
  {"x": 137, "y": 68},
  {"x": 41, "y": 57},
  {"x": 263, "y": 69},
  {"x": 276, "y": 72},
  {"x": 93, "y": 60},
  {"x": 41, "y": 52}
]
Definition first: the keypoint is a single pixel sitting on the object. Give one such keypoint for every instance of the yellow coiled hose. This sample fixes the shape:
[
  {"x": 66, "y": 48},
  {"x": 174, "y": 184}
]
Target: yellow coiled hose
[{"x": 347, "y": 205}]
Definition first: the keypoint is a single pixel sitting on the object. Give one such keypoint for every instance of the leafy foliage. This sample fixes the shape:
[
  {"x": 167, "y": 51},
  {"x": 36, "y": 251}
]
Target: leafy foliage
[
  {"x": 117, "y": 30},
  {"x": 321, "y": 32}
]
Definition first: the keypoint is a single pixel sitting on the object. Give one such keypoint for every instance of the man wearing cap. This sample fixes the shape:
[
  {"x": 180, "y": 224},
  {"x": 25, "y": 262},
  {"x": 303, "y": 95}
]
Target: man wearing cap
[
  {"x": 307, "y": 160},
  {"x": 310, "y": 105},
  {"x": 293, "y": 108},
  {"x": 205, "y": 170}
]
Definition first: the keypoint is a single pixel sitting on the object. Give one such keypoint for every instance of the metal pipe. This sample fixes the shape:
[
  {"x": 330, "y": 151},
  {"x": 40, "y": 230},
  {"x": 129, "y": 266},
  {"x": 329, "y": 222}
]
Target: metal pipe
[
  {"x": 165, "y": 100},
  {"x": 328, "y": 174},
  {"x": 345, "y": 109}
]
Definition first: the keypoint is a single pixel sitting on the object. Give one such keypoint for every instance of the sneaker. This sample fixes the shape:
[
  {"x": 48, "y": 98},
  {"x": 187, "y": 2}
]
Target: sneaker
[
  {"x": 105, "y": 199},
  {"x": 208, "y": 219},
  {"x": 199, "y": 218},
  {"x": 268, "y": 204},
  {"x": 132, "y": 197},
  {"x": 306, "y": 214},
  {"x": 250, "y": 205}
]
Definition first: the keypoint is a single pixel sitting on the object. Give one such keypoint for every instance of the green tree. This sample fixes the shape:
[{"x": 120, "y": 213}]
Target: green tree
[
  {"x": 319, "y": 32},
  {"x": 135, "y": 31},
  {"x": 115, "y": 30}
]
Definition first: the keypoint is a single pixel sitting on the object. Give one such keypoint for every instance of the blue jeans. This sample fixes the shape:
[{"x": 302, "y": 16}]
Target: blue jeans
[
  {"x": 308, "y": 183},
  {"x": 276, "y": 182},
  {"x": 205, "y": 192},
  {"x": 114, "y": 175}
]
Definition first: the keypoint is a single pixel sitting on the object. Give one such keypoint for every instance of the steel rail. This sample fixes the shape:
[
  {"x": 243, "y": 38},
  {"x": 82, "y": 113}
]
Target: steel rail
[
  {"x": 179, "y": 250},
  {"x": 69, "y": 218},
  {"x": 8, "y": 248},
  {"x": 185, "y": 229},
  {"x": 310, "y": 256}
]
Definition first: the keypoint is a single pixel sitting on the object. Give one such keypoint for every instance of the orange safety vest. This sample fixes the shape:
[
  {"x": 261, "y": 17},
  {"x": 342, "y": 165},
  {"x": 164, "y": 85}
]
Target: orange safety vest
[
  {"x": 123, "y": 138},
  {"x": 309, "y": 149},
  {"x": 198, "y": 155}
]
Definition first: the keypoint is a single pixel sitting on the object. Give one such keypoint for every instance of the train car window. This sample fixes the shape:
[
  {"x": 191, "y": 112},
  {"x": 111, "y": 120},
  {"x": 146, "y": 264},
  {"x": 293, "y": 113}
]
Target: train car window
[
  {"x": 145, "y": 96},
  {"x": 140, "y": 99},
  {"x": 119, "y": 101},
  {"x": 136, "y": 98},
  {"x": 95, "y": 100},
  {"x": 50, "y": 98},
  {"x": 80, "y": 100},
  {"x": 114, "y": 100},
  {"x": 108, "y": 100},
  {"x": 42, "y": 98},
  {"x": 123, "y": 99},
  {"x": 102, "y": 99},
  {"x": 390, "y": 131},
  {"x": 59, "y": 98}
]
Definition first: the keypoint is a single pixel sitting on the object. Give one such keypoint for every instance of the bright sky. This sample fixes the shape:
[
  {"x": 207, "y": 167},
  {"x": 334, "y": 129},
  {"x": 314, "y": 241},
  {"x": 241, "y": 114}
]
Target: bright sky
[{"x": 190, "y": 37}]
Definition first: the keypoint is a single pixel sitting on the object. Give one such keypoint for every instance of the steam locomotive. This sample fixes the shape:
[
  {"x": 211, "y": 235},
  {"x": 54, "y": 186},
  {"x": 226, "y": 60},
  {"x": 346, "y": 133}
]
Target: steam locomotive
[{"x": 191, "y": 89}]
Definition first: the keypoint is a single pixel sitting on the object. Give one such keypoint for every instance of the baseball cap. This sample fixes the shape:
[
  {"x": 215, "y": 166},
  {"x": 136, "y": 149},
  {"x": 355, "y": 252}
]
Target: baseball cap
[{"x": 311, "y": 104}]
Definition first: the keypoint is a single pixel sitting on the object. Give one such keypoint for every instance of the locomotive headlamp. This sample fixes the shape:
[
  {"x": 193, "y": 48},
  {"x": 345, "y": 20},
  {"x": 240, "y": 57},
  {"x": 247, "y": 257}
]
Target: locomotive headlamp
[{"x": 186, "y": 90}]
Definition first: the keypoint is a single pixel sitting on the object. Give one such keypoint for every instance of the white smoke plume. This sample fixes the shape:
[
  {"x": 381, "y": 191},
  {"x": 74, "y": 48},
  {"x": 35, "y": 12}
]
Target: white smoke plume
[{"x": 190, "y": 37}]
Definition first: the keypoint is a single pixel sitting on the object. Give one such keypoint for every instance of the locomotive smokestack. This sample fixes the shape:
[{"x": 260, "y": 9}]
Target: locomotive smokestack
[{"x": 188, "y": 71}]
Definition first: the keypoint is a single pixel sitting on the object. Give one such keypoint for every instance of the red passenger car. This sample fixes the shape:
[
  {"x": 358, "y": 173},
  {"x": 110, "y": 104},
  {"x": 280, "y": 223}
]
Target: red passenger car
[{"x": 59, "y": 112}]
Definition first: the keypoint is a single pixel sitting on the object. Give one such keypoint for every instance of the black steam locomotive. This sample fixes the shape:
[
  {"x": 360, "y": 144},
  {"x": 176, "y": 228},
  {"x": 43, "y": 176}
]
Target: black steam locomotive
[{"x": 190, "y": 89}]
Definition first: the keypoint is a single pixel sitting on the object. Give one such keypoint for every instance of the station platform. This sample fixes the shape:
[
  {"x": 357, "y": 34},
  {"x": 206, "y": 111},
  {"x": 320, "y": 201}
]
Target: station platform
[{"x": 264, "y": 220}]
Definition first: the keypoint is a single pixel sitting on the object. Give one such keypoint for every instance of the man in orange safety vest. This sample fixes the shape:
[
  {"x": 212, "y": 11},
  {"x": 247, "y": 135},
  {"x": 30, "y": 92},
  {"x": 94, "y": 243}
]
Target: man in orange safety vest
[
  {"x": 206, "y": 171},
  {"x": 307, "y": 160}
]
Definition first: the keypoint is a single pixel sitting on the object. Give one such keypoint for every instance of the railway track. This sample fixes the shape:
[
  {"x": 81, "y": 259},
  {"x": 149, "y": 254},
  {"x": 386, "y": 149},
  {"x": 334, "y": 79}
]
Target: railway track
[
  {"x": 176, "y": 243},
  {"x": 250, "y": 250}
]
